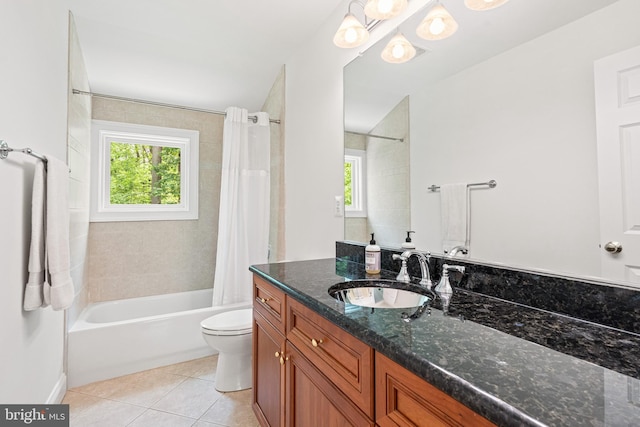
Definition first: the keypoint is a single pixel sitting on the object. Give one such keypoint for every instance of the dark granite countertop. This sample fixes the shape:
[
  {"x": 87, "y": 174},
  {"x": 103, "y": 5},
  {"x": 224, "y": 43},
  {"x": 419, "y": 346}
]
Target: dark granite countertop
[{"x": 515, "y": 365}]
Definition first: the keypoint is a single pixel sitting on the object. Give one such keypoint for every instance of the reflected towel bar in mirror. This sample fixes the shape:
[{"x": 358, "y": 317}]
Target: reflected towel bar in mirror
[{"x": 490, "y": 184}]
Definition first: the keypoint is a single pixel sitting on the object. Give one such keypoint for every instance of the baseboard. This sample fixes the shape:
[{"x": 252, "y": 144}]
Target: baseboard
[{"x": 59, "y": 390}]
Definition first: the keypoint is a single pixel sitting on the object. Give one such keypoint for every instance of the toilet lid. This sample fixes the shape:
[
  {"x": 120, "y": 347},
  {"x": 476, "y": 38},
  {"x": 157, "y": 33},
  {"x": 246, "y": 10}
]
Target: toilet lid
[{"x": 234, "y": 322}]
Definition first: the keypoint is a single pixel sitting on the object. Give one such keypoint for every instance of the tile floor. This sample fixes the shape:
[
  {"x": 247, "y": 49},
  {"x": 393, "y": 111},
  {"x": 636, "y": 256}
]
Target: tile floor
[{"x": 173, "y": 396}]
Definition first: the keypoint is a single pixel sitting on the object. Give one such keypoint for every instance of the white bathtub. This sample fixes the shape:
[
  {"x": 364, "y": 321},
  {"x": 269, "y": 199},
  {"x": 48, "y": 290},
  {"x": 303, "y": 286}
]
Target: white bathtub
[{"x": 116, "y": 338}]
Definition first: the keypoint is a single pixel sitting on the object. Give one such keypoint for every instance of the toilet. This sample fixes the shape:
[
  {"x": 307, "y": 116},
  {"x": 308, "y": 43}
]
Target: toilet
[{"x": 230, "y": 334}]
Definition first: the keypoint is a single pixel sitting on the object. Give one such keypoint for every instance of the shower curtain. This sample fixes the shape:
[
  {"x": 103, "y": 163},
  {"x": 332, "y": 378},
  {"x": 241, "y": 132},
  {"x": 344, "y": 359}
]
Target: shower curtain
[{"x": 243, "y": 225}]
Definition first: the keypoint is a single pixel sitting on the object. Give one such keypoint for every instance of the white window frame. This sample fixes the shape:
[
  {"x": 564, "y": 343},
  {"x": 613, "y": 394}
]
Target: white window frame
[
  {"x": 358, "y": 160},
  {"x": 101, "y": 209}
]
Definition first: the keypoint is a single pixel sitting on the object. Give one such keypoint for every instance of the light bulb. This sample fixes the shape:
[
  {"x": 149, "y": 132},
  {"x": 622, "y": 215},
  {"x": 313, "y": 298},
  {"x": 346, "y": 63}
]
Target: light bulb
[
  {"x": 350, "y": 35},
  {"x": 384, "y": 6},
  {"x": 437, "y": 26},
  {"x": 384, "y": 9},
  {"x": 397, "y": 51}
]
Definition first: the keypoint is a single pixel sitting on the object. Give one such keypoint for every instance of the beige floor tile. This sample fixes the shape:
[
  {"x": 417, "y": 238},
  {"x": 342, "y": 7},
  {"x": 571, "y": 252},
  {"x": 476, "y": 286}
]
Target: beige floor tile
[
  {"x": 152, "y": 418},
  {"x": 177, "y": 395},
  {"x": 106, "y": 413},
  {"x": 204, "y": 368},
  {"x": 191, "y": 398},
  {"x": 233, "y": 410},
  {"x": 142, "y": 388}
]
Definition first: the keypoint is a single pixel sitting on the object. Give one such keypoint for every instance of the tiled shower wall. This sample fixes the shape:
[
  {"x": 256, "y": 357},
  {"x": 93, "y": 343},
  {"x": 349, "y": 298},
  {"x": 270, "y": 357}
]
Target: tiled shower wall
[
  {"x": 134, "y": 259},
  {"x": 388, "y": 190},
  {"x": 78, "y": 152}
]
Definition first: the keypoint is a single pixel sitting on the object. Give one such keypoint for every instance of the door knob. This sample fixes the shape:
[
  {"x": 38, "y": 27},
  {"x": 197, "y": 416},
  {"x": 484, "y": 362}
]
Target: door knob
[{"x": 613, "y": 247}]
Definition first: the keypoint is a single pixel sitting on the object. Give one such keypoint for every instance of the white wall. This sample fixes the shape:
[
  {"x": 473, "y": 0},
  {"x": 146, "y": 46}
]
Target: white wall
[
  {"x": 314, "y": 135},
  {"x": 33, "y": 113},
  {"x": 525, "y": 118}
]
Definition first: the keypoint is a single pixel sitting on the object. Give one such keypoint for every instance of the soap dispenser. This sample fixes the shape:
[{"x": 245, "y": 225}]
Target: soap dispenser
[
  {"x": 408, "y": 244},
  {"x": 372, "y": 257}
]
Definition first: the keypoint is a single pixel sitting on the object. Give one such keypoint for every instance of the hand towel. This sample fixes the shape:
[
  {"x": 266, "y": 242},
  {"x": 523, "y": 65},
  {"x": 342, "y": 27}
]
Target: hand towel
[
  {"x": 33, "y": 297},
  {"x": 60, "y": 287},
  {"x": 454, "y": 215}
]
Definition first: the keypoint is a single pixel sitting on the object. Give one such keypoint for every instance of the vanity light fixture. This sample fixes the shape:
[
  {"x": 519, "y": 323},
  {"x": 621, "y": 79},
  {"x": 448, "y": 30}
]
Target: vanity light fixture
[
  {"x": 438, "y": 24},
  {"x": 384, "y": 9},
  {"x": 483, "y": 4},
  {"x": 398, "y": 50},
  {"x": 351, "y": 33}
]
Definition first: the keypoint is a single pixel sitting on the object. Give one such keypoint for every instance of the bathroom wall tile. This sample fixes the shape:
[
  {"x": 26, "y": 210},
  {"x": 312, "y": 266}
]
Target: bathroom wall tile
[{"x": 146, "y": 258}]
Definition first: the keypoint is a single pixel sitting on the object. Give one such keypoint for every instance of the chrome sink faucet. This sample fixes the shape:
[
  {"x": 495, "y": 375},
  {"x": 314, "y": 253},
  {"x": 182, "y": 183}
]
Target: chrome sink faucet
[{"x": 403, "y": 275}]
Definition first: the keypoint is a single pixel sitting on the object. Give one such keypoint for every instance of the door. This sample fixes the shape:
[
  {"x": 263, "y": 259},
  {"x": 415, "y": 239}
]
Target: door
[{"x": 617, "y": 85}]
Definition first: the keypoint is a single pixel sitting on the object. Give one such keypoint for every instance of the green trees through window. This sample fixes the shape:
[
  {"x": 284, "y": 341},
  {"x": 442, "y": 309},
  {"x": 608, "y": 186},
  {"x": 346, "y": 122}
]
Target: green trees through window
[{"x": 144, "y": 174}]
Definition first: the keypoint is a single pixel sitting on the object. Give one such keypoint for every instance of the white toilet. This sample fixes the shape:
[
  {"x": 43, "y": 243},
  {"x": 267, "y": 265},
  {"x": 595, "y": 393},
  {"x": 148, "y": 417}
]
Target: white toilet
[{"x": 230, "y": 334}]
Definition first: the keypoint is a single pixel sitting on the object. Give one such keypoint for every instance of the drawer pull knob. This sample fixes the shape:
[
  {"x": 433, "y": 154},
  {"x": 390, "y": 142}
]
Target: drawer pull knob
[
  {"x": 316, "y": 343},
  {"x": 264, "y": 300},
  {"x": 283, "y": 359},
  {"x": 277, "y": 354}
]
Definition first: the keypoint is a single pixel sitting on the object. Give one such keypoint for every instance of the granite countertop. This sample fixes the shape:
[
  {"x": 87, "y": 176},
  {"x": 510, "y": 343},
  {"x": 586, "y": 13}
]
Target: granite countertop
[{"x": 514, "y": 365}]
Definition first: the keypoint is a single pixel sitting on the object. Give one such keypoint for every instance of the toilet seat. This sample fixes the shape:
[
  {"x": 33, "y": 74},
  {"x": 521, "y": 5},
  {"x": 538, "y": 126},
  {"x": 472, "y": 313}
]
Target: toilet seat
[{"x": 234, "y": 322}]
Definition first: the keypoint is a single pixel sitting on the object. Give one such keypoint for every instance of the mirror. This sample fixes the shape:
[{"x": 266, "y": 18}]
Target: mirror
[{"x": 509, "y": 97}]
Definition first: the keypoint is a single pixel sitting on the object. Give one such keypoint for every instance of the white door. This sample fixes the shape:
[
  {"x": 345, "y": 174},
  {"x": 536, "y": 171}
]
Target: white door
[{"x": 617, "y": 84}]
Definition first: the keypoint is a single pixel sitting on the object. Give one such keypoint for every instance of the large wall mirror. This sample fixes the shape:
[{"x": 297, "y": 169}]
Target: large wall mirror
[{"x": 509, "y": 97}]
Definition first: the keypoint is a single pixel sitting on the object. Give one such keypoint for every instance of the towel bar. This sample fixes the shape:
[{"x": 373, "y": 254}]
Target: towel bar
[
  {"x": 491, "y": 184},
  {"x": 5, "y": 150}
]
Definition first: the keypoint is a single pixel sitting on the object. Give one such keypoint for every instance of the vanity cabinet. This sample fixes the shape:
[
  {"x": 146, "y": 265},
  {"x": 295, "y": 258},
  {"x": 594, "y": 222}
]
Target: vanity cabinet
[
  {"x": 309, "y": 372},
  {"x": 299, "y": 361},
  {"x": 404, "y": 399},
  {"x": 268, "y": 354}
]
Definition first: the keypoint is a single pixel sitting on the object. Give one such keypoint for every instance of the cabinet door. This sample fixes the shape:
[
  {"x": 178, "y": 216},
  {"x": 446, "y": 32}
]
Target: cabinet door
[
  {"x": 312, "y": 400},
  {"x": 346, "y": 361},
  {"x": 404, "y": 399},
  {"x": 268, "y": 373}
]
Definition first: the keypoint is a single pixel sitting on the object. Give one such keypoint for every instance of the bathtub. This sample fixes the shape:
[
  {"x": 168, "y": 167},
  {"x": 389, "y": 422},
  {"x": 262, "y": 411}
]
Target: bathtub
[{"x": 116, "y": 338}]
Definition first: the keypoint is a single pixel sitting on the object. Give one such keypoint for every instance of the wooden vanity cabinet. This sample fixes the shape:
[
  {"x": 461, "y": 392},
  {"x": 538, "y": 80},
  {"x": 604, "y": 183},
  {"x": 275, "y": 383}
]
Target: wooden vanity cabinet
[
  {"x": 288, "y": 388},
  {"x": 268, "y": 354},
  {"x": 313, "y": 400},
  {"x": 404, "y": 399},
  {"x": 309, "y": 372}
]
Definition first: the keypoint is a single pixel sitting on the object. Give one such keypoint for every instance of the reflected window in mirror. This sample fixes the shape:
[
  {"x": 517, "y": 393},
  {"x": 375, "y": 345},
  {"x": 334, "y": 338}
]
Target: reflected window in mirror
[{"x": 355, "y": 191}]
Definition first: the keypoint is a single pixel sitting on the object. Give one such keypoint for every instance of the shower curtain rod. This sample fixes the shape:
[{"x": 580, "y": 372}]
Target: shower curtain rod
[
  {"x": 160, "y": 104},
  {"x": 371, "y": 135}
]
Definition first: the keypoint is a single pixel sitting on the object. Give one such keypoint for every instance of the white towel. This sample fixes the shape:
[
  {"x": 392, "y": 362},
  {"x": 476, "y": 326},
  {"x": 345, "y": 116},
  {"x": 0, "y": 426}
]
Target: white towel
[
  {"x": 33, "y": 298},
  {"x": 60, "y": 286},
  {"x": 455, "y": 215}
]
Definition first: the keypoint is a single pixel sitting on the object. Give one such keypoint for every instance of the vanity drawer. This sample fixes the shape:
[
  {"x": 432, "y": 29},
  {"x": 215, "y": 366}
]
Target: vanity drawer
[
  {"x": 343, "y": 359},
  {"x": 405, "y": 400},
  {"x": 269, "y": 301}
]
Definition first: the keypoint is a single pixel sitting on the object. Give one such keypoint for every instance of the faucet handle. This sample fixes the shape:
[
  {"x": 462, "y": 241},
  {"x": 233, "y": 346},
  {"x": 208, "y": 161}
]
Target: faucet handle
[
  {"x": 459, "y": 268},
  {"x": 403, "y": 275}
]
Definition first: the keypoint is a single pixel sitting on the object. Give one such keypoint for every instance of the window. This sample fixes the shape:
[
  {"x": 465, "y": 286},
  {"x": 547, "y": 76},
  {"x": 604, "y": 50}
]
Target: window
[
  {"x": 142, "y": 173},
  {"x": 355, "y": 189}
]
